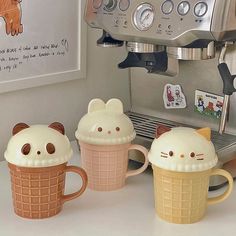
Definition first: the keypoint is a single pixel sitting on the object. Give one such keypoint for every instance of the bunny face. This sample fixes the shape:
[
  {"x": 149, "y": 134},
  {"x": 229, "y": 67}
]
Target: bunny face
[{"x": 105, "y": 124}]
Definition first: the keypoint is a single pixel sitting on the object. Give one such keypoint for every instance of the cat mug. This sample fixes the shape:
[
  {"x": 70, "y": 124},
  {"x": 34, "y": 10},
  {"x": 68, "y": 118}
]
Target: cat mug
[
  {"x": 104, "y": 135},
  {"x": 183, "y": 160}
]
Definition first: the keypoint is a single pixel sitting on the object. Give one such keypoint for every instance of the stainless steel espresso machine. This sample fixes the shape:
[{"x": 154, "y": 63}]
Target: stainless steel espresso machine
[{"x": 158, "y": 35}]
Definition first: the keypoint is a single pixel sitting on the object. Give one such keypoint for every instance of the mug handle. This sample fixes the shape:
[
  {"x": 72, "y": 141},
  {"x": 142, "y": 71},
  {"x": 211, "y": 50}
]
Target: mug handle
[
  {"x": 226, "y": 194},
  {"x": 83, "y": 175},
  {"x": 146, "y": 162}
]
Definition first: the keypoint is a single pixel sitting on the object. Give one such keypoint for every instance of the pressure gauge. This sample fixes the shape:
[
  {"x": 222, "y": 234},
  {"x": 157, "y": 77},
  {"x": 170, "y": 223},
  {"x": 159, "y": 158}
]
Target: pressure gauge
[{"x": 144, "y": 16}]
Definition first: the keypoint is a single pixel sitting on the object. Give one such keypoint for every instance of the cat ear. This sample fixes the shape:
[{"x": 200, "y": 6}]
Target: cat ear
[
  {"x": 205, "y": 132},
  {"x": 18, "y": 127},
  {"x": 115, "y": 105},
  {"x": 58, "y": 127},
  {"x": 96, "y": 105},
  {"x": 161, "y": 129}
]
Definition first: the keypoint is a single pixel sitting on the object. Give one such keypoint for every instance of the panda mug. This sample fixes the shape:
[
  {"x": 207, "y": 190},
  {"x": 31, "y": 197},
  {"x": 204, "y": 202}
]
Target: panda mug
[
  {"x": 37, "y": 158},
  {"x": 104, "y": 135}
]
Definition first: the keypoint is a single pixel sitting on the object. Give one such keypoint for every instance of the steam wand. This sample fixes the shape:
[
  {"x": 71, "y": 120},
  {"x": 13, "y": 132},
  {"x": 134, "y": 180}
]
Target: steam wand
[{"x": 228, "y": 86}]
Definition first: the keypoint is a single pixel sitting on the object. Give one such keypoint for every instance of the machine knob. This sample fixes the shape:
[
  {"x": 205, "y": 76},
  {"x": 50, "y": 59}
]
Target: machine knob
[
  {"x": 183, "y": 8},
  {"x": 110, "y": 5},
  {"x": 124, "y": 5},
  {"x": 167, "y": 7},
  {"x": 97, "y": 3},
  {"x": 200, "y": 9}
]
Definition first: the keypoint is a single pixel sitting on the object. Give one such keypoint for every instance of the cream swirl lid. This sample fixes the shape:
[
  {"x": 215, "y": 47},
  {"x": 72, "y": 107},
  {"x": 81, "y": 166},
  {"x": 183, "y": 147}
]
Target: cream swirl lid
[
  {"x": 184, "y": 150},
  {"x": 38, "y": 146},
  {"x": 105, "y": 124}
]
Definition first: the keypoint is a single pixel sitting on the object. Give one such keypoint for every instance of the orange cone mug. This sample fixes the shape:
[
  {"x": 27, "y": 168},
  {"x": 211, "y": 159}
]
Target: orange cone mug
[{"x": 37, "y": 158}]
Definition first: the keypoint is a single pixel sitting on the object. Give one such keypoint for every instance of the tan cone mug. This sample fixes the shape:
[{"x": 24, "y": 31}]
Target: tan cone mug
[
  {"x": 37, "y": 158},
  {"x": 183, "y": 161},
  {"x": 104, "y": 135},
  {"x": 182, "y": 198}
]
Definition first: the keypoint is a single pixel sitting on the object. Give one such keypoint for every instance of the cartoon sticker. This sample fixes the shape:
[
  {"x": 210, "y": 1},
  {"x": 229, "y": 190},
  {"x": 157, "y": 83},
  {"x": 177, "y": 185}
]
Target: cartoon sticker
[
  {"x": 174, "y": 97},
  {"x": 208, "y": 104}
]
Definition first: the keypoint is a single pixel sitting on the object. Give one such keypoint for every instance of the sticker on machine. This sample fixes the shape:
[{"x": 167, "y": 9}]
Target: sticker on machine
[
  {"x": 208, "y": 104},
  {"x": 173, "y": 97}
]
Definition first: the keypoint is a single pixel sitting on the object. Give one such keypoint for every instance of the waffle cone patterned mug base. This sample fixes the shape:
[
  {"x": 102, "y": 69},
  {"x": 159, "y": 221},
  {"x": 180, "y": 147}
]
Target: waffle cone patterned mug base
[
  {"x": 107, "y": 166},
  {"x": 182, "y": 198},
  {"x": 39, "y": 192},
  {"x": 183, "y": 160}
]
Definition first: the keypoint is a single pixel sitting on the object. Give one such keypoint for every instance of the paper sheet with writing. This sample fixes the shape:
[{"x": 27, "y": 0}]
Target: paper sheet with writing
[{"x": 37, "y": 37}]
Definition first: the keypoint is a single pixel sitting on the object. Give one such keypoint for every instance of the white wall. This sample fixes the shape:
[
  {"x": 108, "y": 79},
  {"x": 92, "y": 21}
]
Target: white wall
[{"x": 67, "y": 102}]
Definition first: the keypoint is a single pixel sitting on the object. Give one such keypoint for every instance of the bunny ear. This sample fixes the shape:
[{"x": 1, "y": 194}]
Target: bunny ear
[
  {"x": 205, "y": 132},
  {"x": 161, "y": 129},
  {"x": 96, "y": 105},
  {"x": 115, "y": 105}
]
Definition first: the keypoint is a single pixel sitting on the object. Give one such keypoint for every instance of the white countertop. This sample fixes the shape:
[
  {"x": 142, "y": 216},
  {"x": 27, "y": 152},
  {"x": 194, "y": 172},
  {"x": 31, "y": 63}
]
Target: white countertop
[{"x": 129, "y": 211}]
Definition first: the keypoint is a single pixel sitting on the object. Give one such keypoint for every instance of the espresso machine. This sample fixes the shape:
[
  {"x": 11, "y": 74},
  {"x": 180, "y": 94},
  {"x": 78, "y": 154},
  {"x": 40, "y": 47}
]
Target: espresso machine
[{"x": 158, "y": 35}]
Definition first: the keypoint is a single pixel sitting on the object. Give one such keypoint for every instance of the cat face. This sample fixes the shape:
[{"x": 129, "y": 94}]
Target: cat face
[
  {"x": 105, "y": 124},
  {"x": 184, "y": 149},
  {"x": 38, "y": 145}
]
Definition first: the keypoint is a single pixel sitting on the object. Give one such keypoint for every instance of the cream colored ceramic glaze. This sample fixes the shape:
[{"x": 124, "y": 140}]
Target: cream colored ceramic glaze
[
  {"x": 105, "y": 124},
  {"x": 38, "y": 136},
  {"x": 182, "y": 142}
]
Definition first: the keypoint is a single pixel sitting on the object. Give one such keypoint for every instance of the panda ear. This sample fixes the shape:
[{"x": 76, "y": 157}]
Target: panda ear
[
  {"x": 58, "y": 127},
  {"x": 96, "y": 105},
  {"x": 115, "y": 105},
  {"x": 18, "y": 127}
]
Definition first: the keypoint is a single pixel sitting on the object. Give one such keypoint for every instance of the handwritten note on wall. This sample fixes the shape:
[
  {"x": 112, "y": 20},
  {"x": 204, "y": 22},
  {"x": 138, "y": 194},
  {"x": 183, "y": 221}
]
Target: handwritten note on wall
[
  {"x": 42, "y": 39},
  {"x": 12, "y": 59}
]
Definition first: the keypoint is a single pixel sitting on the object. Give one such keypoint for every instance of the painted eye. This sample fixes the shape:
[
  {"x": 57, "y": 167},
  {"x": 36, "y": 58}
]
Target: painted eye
[
  {"x": 117, "y": 129},
  {"x": 192, "y": 154},
  {"x": 26, "y": 149},
  {"x": 100, "y": 129},
  {"x": 50, "y": 148},
  {"x": 171, "y": 154}
]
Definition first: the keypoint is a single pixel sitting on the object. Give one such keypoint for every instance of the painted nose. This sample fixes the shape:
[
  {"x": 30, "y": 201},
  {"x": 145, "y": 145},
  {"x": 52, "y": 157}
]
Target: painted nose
[
  {"x": 38, "y": 152},
  {"x": 109, "y": 132},
  {"x": 182, "y": 155}
]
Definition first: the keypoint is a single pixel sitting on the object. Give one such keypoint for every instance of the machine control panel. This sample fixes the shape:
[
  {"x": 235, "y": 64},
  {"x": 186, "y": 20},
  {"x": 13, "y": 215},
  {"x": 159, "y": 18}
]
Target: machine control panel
[{"x": 166, "y": 22}]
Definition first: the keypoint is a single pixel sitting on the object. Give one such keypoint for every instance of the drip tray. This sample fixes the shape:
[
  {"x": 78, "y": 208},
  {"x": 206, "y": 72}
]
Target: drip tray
[{"x": 145, "y": 127}]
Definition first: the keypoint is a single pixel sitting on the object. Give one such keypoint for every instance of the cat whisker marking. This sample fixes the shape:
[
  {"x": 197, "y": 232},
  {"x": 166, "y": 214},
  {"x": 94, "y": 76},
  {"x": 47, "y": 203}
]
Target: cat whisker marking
[
  {"x": 198, "y": 155},
  {"x": 164, "y": 156},
  {"x": 164, "y": 153}
]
